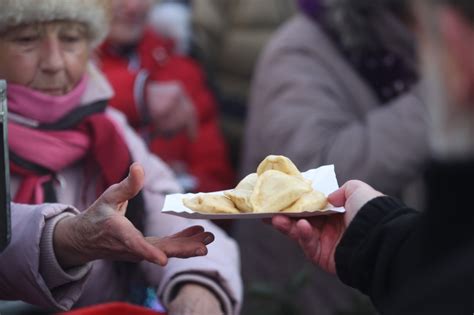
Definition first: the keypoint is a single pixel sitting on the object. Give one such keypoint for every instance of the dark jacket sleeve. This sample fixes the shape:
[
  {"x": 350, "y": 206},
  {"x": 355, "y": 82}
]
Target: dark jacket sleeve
[
  {"x": 410, "y": 262},
  {"x": 372, "y": 240}
]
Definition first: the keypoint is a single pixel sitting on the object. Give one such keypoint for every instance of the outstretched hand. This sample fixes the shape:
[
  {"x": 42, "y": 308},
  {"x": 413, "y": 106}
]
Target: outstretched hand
[
  {"x": 103, "y": 232},
  {"x": 319, "y": 236}
]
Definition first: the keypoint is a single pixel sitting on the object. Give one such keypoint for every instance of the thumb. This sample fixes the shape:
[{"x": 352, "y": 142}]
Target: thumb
[
  {"x": 338, "y": 198},
  {"x": 127, "y": 188}
]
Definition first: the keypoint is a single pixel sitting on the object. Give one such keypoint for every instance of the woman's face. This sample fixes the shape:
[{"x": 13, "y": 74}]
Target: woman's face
[{"x": 47, "y": 57}]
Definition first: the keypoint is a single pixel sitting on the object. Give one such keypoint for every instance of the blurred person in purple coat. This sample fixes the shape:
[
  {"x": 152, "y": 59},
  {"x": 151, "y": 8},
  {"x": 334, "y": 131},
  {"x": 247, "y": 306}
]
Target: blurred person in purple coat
[
  {"x": 412, "y": 262},
  {"x": 338, "y": 84}
]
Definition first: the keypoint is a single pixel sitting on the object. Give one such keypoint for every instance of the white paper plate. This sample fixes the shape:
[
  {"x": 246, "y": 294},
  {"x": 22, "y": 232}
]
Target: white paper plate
[{"x": 323, "y": 179}]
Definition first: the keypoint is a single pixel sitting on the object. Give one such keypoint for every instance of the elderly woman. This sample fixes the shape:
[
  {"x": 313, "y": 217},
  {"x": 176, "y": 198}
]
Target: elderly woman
[{"x": 66, "y": 146}]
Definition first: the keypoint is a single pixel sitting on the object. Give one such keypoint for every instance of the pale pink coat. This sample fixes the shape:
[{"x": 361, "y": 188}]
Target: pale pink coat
[
  {"x": 28, "y": 268},
  {"x": 219, "y": 270}
]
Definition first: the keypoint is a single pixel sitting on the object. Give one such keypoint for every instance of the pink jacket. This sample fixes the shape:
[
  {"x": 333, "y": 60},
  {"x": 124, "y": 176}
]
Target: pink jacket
[
  {"x": 219, "y": 270},
  {"x": 28, "y": 268}
]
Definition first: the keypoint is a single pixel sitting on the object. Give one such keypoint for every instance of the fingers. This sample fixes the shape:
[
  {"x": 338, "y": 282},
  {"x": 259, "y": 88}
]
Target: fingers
[
  {"x": 305, "y": 233},
  {"x": 173, "y": 122},
  {"x": 162, "y": 98},
  {"x": 190, "y": 231},
  {"x": 144, "y": 250},
  {"x": 123, "y": 235},
  {"x": 205, "y": 238},
  {"x": 338, "y": 198},
  {"x": 127, "y": 188},
  {"x": 180, "y": 248},
  {"x": 172, "y": 110},
  {"x": 281, "y": 223},
  {"x": 285, "y": 225},
  {"x": 305, "y": 230},
  {"x": 308, "y": 238},
  {"x": 183, "y": 247},
  {"x": 134, "y": 181}
]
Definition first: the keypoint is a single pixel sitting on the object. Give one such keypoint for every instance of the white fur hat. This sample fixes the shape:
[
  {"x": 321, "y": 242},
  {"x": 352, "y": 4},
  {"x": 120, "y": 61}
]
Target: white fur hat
[{"x": 94, "y": 14}]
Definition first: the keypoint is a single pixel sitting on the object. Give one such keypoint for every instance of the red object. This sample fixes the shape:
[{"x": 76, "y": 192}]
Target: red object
[
  {"x": 113, "y": 309},
  {"x": 206, "y": 157},
  {"x": 108, "y": 153}
]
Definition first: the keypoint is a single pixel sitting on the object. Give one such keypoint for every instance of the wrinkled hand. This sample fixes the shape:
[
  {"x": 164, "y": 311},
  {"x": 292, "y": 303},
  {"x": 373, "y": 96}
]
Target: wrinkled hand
[
  {"x": 194, "y": 299},
  {"x": 319, "y": 236},
  {"x": 103, "y": 232},
  {"x": 170, "y": 109}
]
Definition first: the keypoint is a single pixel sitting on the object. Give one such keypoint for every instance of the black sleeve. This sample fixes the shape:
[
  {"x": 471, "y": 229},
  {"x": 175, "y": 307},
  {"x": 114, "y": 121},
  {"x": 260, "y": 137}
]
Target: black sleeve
[
  {"x": 374, "y": 237},
  {"x": 412, "y": 262}
]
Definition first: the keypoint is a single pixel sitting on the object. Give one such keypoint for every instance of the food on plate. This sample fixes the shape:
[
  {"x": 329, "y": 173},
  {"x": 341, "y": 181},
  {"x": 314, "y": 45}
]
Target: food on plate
[
  {"x": 314, "y": 200},
  {"x": 280, "y": 163},
  {"x": 277, "y": 186},
  {"x": 207, "y": 203},
  {"x": 276, "y": 191},
  {"x": 241, "y": 199},
  {"x": 248, "y": 183}
]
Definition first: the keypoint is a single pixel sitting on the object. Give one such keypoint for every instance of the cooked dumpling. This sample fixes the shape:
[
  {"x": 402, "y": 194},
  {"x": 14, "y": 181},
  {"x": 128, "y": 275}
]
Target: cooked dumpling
[
  {"x": 241, "y": 199},
  {"x": 278, "y": 186},
  {"x": 312, "y": 201},
  {"x": 248, "y": 183},
  {"x": 279, "y": 163},
  {"x": 276, "y": 191},
  {"x": 208, "y": 203}
]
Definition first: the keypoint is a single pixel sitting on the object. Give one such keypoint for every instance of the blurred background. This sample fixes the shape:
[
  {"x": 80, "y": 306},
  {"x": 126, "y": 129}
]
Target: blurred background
[{"x": 319, "y": 81}]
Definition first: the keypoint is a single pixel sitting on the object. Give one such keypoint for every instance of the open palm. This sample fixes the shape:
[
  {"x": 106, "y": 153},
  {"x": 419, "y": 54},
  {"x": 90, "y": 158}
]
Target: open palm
[{"x": 103, "y": 232}]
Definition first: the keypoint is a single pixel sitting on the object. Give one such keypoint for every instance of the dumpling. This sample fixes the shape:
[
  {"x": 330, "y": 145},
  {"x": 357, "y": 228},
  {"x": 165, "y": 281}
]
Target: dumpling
[
  {"x": 248, "y": 183},
  {"x": 279, "y": 163},
  {"x": 275, "y": 191},
  {"x": 277, "y": 186},
  {"x": 241, "y": 199},
  {"x": 208, "y": 203},
  {"x": 312, "y": 201}
]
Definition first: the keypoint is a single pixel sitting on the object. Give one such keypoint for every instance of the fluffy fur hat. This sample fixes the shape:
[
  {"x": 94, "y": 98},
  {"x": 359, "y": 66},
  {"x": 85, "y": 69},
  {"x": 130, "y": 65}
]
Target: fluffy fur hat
[{"x": 95, "y": 14}]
